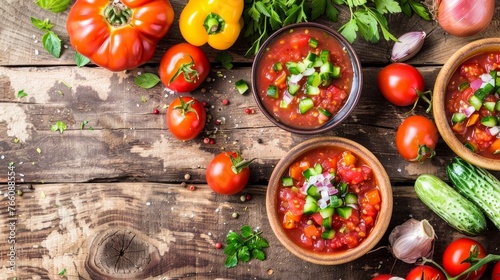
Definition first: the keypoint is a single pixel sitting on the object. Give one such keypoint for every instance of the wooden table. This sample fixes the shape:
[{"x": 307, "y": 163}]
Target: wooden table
[{"x": 108, "y": 202}]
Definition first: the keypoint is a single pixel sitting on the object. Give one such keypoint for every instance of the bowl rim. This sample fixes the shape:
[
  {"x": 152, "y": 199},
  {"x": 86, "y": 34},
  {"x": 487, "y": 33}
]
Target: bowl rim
[
  {"x": 383, "y": 183},
  {"x": 354, "y": 95},
  {"x": 451, "y": 65}
]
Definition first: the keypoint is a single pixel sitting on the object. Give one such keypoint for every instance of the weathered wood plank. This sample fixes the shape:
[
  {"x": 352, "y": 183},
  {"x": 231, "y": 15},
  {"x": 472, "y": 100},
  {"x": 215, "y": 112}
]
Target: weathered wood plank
[
  {"x": 65, "y": 226},
  {"x": 129, "y": 142},
  {"x": 21, "y": 39}
]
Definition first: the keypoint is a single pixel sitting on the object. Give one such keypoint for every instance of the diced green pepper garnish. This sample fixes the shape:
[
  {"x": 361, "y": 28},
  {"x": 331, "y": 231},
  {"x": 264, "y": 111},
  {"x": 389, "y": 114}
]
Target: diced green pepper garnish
[
  {"x": 327, "y": 212},
  {"x": 344, "y": 212},
  {"x": 324, "y": 112},
  {"x": 287, "y": 181},
  {"x": 305, "y": 105},
  {"x": 324, "y": 56},
  {"x": 476, "y": 102},
  {"x": 272, "y": 91},
  {"x": 277, "y": 66},
  {"x": 314, "y": 80},
  {"x": 463, "y": 86},
  {"x": 293, "y": 88},
  {"x": 490, "y": 106},
  {"x": 328, "y": 234},
  {"x": 241, "y": 86},
  {"x": 313, "y": 191},
  {"x": 458, "y": 117},
  {"x": 489, "y": 121},
  {"x": 310, "y": 206},
  {"x": 313, "y": 43},
  {"x": 312, "y": 90},
  {"x": 293, "y": 67},
  {"x": 351, "y": 198}
]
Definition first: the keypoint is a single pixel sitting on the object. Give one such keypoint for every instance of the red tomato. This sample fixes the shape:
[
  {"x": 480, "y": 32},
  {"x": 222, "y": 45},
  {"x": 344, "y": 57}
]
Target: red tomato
[
  {"x": 118, "y": 35},
  {"x": 457, "y": 252},
  {"x": 400, "y": 83},
  {"x": 228, "y": 173},
  {"x": 416, "y": 138},
  {"x": 495, "y": 274},
  {"x": 425, "y": 272},
  {"x": 186, "y": 118},
  {"x": 184, "y": 67}
]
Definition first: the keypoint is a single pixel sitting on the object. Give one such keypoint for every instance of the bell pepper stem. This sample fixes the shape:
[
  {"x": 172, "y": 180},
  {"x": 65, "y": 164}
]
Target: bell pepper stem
[{"x": 213, "y": 24}]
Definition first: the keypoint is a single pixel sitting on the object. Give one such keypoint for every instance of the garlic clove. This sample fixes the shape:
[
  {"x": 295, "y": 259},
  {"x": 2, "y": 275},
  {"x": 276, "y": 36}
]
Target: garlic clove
[
  {"x": 408, "y": 45},
  {"x": 412, "y": 240}
]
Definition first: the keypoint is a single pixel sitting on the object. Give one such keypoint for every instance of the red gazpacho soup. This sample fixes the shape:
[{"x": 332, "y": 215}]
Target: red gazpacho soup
[
  {"x": 329, "y": 200},
  {"x": 305, "y": 77},
  {"x": 473, "y": 106}
]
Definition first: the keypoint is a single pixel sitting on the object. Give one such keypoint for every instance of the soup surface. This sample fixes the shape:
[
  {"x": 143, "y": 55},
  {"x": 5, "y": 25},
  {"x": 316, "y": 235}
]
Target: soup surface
[
  {"x": 305, "y": 77},
  {"x": 473, "y": 106},
  {"x": 329, "y": 200}
]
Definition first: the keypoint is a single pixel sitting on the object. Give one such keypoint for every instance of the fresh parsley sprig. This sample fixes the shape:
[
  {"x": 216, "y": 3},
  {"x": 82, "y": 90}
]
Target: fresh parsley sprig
[
  {"x": 367, "y": 17},
  {"x": 245, "y": 246}
]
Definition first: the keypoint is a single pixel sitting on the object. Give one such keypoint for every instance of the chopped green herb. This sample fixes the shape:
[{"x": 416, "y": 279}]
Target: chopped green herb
[
  {"x": 21, "y": 94},
  {"x": 147, "y": 80},
  {"x": 52, "y": 43},
  {"x": 56, "y": 6},
  {"x": 41, "y": 24},
  {"x": 62, "y": 272},
  {"x": 245, "y": 246},
  {"x": 58, "y": 126},
  {"x": 225, "y": 59},
  {"x": 144, "y": 99}
]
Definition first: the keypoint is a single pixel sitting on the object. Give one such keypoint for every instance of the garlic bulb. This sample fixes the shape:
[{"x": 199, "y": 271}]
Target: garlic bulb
[
  {"x": 412, "y": 240},
  {"x": 407, "y": 46}
]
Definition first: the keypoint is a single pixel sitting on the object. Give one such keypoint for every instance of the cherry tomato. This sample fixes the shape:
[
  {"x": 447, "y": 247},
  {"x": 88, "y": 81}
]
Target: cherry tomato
[
  {"x": 495, "y": 274},
  {"x": 186, "y": 118},
  {"x": 228, "y": 173},
  {"x": 400, "y": 83},
  {"x": 425, "y": 272},
  {"x": 184, "y": 67},
  {"x": 457, "y": 252},
  {"x": 416, "y": 138}
]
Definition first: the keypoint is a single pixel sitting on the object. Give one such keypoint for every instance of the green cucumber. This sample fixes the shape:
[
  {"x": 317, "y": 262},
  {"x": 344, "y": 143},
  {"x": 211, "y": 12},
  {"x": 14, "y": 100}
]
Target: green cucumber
[
  {"x": 478, "y": 185},
  {"x": 448, "y": 204}
]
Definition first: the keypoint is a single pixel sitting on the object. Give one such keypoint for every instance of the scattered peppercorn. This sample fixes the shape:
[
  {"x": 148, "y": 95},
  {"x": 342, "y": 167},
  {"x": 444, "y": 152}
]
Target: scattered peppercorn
[
  {"x": 218, "y": 122},
  {"x": 248, "y": 197},
  {"x": 249, "y": 111},
  {"x": 156, "y": 111},
  {"x": 243, "y": 198},
  {"x": 187, "y": 176},
  {"x": 206, "y": 140},
  {"x": 212, "y": 141},
  {"x": 218, "y": 245},
  {"x": 235, "y": 215},
  {"x": 259, "y": 141},
  {"x": 192, "y": 187},
  {"x": 205, "y": 104},
  {"x": 225, "y": 101},
  {"x": 183, "y": 184}
]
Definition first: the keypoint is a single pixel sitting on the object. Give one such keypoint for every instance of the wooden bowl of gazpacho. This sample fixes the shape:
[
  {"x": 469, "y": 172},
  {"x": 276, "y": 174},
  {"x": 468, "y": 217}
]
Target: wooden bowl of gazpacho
[
  {"x": 329, "y": 200},
  {"x": 306, "y": 78},
  {"x": 466, "y": 103}
]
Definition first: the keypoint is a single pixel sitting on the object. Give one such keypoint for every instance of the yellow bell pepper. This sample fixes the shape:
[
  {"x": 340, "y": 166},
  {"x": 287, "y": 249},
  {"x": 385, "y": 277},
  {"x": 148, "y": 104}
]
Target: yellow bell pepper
[{"x": 216, "y": 22}]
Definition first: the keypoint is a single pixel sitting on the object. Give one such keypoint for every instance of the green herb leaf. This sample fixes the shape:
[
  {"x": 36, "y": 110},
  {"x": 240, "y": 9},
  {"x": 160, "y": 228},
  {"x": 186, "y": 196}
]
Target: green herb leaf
[
  {"x": 58, "y": 126},
  {"x": 21, "y": 94},
  {"x": 147, "y": 80},
  {"x": 387, "y": 6},
  {"x": 56, "y": 6},
  {"x": 41, "y": 24},
  {"x": 52, "y": 44},
  {"x": 225, "y": 59},
  {"x": 83, "y": 124},
  {"x": 62, "y": 272},
  {"x": 419, "y": 9},
  {"x": 245, "y": 246},
  {"x": 81, "y": 60}
]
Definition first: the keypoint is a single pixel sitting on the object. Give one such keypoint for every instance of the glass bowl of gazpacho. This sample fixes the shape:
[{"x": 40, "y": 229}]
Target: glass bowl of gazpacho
[
  {"x": 466, "y": 103},
  {"x": 329, "y": 200},
  {"x": 306, "y": 78}
]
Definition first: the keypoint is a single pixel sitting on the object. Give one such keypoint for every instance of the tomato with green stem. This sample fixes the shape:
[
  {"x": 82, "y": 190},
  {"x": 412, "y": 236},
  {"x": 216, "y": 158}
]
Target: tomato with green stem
[
  {"x": 460, "y": 254},
  {"x": 186, "y": 118},
  {"x": 425, "y": 272},
  {"x": 416, "y": 138},
  {"x": 402, "y": 85},
  {"x": 184, "y": 67},
  {"x": 495, "y": 274},
  {"x": 228, "y": 173}
]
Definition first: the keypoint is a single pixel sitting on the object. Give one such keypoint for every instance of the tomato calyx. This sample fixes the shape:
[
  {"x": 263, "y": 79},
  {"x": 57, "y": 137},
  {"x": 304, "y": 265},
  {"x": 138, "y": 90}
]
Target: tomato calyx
[
  {"x": 213, "y": 24},
  {"x": 424, "y": 153},
  {"x": 186, "y": 107},
  {"x": 117, "y": 14},
  {"x": 423, "y": 95},
  {"x": 186, "y": 69},
  {"x": 238, "y": 163}
]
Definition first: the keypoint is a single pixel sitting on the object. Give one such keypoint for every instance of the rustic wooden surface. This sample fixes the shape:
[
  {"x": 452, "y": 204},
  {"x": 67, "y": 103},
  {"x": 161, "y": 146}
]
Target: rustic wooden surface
[{"x": 115, "y": 191}]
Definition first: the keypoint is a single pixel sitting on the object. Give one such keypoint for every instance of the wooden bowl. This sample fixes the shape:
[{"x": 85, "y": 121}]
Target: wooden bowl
[
  {"x": 438, "y": 103},
  {"x": 353, "y": 95},
  {"x": 381, "y": 223}
]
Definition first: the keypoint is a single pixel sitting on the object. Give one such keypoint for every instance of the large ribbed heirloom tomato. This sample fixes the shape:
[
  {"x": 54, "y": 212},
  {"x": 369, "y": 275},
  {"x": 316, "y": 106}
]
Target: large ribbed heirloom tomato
[{"x": 118, "y": 35}]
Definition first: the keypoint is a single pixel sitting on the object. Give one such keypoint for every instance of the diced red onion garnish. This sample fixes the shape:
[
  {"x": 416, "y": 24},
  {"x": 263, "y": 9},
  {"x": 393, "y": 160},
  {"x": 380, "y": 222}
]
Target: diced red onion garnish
[
  {"x": 332, "y": 191},
  {"x": 494, "y": 130},
  {"x": 486, "y": 77},
  {"x": 295, "y": 78},
  {"x": 308, "y": 72},
  {"x": 469, "y": 111},
  {"x": 476, "y": 84},
  {"x": 287, "y": 97},
  {"x": 322, "y": 203}
]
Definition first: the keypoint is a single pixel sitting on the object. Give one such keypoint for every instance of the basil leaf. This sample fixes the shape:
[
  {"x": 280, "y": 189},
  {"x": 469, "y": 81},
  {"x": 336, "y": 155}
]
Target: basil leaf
[
  {"x": 258, "y": 254},
  {"x": 231, "y": 261},
  {"x": 147, "y": 80},
  {"x": 55, "y": 6},
  {"x": 52, "y": 43},
  {"x": 81, "y": 60},
  {"x": 41, "y": 24},
  {"x": 21, "y": 94},
  {"x": 246, "y": 231},
  {"x": 58, "y": 126}
]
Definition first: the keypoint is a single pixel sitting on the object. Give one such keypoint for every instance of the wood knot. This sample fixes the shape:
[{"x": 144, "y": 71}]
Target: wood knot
[{"x": 121, "y": 254}]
